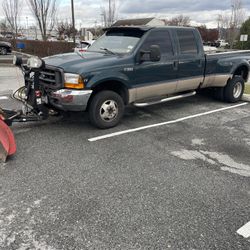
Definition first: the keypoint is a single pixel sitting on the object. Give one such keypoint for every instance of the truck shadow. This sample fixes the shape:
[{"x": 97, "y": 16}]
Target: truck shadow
[{"x": 76, "y": 122}]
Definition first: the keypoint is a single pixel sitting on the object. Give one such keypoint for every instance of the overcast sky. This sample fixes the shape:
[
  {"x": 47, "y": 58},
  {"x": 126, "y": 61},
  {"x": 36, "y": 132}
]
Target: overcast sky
[{"x": 88, "y": 11}]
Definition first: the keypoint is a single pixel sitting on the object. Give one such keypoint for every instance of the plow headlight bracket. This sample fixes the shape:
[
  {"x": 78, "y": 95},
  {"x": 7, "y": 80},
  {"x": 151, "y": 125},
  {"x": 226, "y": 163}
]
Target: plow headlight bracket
[{"x": 35, "y": 62}]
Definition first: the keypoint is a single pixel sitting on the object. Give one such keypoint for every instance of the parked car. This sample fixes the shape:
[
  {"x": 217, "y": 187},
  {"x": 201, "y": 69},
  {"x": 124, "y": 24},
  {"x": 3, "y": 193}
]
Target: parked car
[
  {"x": 222, "y": 43},
  {"x": 82, "y": 46},
  {"x": 5, "y": 48},
  {"x": 140, "y": 66},
  {"x": 209, "y": 49}
]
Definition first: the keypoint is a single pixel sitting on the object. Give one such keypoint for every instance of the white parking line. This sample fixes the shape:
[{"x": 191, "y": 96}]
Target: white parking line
[
  {"x": 4, "y": 97},
  {"x": 164, "y": 123},
  {"x": 245, "y": 230}
]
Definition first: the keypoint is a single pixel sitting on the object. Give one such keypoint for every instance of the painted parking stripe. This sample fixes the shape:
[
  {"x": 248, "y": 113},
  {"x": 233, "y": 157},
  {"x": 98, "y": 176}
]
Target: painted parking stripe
[
  {"x": 245, "y": 231},
  {"x": 4, "y": 97},
  {"x": 164, "y": 123}
]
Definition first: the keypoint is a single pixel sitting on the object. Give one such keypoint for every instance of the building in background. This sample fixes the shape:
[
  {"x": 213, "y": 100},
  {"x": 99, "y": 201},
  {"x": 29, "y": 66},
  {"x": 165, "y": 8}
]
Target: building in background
[
  {"x": 86, "y": 35},
  {"x": 152, "y": 21}
]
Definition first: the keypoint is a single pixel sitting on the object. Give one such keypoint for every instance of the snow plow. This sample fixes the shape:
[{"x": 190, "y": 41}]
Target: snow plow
[{"x": 33, "y": 107}]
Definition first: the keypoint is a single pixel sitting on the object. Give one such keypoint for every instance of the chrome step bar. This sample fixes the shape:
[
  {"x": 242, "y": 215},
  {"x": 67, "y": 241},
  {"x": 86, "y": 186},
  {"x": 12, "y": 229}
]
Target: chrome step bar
[{"x": 168, "y": 99}]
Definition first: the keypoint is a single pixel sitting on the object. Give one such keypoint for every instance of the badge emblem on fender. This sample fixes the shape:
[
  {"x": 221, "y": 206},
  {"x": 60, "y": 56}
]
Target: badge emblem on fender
[{"x": 128, "y": 69}]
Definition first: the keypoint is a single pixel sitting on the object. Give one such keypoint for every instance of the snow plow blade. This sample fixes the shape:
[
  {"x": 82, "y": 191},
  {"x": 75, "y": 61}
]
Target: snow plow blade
[{"x": 7, "y": 141}]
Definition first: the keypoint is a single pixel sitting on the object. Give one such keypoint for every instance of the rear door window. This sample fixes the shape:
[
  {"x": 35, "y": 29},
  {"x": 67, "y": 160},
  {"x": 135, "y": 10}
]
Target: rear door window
[{"x": 187, "y": 42}]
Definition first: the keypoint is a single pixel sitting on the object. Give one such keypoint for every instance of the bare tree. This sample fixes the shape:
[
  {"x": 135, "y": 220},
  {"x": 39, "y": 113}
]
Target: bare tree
[
  {"x": 223, "y": 21},
  {"x": 180, "y": 20},
  {"x": 109, "y": 12},
  {"x": 237, "y": 18},
  {"x": 3, "y": 27},
  {"x": 44, "y": 12},
  {"x": 64, "y": 28},
  {"x": 12, "y": 9}
]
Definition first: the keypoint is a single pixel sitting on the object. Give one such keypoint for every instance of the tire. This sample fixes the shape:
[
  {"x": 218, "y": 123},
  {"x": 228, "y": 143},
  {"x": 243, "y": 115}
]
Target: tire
[
  {"x": 234, "y": 89},
  {"x": 3, "y": 51},
  {"x": 106, "y": 109}
]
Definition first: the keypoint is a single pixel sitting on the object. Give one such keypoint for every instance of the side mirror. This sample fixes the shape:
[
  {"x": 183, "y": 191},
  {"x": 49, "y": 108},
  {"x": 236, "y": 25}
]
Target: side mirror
[{"x": 153, "y": 55}]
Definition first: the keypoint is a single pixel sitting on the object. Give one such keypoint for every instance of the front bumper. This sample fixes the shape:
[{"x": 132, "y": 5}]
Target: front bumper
[{"x": 70, "y": 100}]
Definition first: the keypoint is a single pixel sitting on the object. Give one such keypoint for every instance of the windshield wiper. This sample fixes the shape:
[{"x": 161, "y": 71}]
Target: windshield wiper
[{"x": 108, "y": 51}]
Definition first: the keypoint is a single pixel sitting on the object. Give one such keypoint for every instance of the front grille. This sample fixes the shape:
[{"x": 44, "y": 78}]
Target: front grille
[{"x": 51, "y": 78}]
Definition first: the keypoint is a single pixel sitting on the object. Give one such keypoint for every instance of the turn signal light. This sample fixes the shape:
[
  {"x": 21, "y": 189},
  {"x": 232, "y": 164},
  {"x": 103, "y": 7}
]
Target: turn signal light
[{"x": 78, "y": 85}]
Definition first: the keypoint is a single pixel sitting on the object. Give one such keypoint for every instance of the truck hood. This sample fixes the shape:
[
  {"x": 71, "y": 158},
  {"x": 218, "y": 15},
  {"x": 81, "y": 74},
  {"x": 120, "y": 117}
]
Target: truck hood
[{"x": 80, "y": 63}]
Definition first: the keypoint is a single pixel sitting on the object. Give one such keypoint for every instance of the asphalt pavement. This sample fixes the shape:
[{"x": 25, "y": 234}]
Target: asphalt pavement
[{"x": 182, "y": 183}]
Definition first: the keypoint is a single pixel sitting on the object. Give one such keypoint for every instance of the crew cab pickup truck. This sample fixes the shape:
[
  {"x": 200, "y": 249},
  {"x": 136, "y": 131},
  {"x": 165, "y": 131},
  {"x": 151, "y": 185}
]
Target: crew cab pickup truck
[{"x": 140, "y": 66}]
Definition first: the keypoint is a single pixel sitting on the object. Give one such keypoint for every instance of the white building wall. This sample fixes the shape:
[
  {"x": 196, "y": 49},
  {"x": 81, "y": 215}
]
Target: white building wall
[{"x": 156, "y": 22}]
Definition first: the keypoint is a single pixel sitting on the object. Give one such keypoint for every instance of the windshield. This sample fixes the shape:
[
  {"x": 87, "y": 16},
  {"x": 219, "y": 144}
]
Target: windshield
[{"x": 119, "y": 42}]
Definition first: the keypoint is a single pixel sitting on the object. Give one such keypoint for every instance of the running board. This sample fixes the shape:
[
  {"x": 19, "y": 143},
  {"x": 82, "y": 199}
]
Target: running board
[{"x": 172, "y": 98}]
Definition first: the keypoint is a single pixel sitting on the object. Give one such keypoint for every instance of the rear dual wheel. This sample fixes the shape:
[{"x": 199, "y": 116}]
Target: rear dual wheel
[
  {"x": 233, "y": 91},
  {"x": 106, "y": 109}
]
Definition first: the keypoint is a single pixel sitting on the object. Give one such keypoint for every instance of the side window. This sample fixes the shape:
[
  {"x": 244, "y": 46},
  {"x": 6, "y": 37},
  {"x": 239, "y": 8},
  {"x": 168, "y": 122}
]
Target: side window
[
  {"x": 160, "y": 38},
  {"x": 187, "y": 42}
]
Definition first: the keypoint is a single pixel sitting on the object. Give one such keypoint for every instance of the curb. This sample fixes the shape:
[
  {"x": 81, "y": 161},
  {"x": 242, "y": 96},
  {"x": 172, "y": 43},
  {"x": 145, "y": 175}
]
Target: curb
[
  {"x": 246, "y": 98},
  {"x": 7, "y": 65},
  {"x": 21, "y": 53}
]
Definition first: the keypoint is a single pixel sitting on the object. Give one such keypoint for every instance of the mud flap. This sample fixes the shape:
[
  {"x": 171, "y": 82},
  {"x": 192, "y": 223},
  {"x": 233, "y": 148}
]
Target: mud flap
[{"x": 7, "y": 141}]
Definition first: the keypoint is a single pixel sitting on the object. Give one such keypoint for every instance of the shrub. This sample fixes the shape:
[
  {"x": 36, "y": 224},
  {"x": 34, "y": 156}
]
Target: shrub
[
  {"x": 245, "y": 29},
  {"x": 43, "y": 49}
]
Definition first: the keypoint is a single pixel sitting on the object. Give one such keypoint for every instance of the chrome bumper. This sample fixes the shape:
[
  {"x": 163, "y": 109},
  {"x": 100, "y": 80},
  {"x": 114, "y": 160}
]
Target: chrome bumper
[{"x": 70, "y": 100}]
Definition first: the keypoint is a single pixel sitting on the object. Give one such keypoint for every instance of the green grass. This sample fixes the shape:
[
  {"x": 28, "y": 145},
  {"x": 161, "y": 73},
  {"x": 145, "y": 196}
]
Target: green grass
[{"x": 247, "y": 89}]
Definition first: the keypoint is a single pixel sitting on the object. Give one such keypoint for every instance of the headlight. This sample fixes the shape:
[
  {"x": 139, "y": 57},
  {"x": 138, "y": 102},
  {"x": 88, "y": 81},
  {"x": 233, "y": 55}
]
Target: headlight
[
  {"x": 35, "y": 62},
  {"x": 73, "y": 81}
]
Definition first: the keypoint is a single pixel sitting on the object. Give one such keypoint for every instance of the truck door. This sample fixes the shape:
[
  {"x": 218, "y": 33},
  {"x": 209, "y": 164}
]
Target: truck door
[
  {"x": 156, "y": 78},
  {"x": 191, "y": 59}
]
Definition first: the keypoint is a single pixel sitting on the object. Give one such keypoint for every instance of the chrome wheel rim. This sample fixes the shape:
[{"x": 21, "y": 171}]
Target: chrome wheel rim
[
  {"x": 109, "y": 110},
  {"x": 237, "y": 90},
  {"x": 3, "y": 51}
]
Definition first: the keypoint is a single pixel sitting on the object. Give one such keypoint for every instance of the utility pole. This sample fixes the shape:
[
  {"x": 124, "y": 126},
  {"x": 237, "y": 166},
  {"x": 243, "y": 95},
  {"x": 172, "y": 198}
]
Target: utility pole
[
  {"x": 27, "y": 27},
  {"x": 109, "y": 13},
  {"x": 73, "y": 20},
  {"x": 232, "y": 28}
]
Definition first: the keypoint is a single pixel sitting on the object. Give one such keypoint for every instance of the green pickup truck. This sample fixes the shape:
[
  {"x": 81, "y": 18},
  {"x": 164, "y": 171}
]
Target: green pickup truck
[{"x": 140, "y": 66}]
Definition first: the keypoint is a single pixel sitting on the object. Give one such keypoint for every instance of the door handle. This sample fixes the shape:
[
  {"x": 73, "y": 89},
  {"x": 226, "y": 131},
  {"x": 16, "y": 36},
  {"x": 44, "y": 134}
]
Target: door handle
[{"x": 175, "y": 65}]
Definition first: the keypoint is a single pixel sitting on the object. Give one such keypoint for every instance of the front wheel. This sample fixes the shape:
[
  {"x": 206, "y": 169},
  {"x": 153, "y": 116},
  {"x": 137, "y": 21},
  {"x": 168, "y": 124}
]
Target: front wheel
[
  {"x": 106, "y": 109},
  {"x": 3, "y": 51},
  {"x": 234, "y": 89}
]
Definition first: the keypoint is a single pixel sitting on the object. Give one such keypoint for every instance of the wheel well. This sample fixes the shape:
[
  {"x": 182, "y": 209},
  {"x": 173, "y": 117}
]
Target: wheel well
[
  {"x": 115, "y": 86},
  {"x": 242, "y": 71}
]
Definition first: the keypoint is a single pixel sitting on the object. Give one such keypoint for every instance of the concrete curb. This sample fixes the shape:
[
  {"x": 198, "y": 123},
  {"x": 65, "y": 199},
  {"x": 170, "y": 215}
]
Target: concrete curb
[
  {"x": 246, "y": 98},
  {"x": 7, "y": 64},
  {"x": 21, "y": 53}
]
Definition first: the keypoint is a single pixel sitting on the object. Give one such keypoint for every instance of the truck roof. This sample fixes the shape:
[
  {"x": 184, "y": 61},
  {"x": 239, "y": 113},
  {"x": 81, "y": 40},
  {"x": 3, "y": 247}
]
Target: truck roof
[{"x": 145, "y": 28}]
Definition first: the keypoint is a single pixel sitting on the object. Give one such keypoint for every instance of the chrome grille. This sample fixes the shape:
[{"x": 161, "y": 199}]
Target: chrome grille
[{"x": 51, "y": 78}]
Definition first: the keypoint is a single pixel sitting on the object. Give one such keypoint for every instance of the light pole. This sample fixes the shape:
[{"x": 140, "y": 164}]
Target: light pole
[
  {"x": 109, "y": 13},
  {"x": 73, "y": 20},
  {"x": 232, "y": 28},
  {"x": 27, "y": 21}
]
